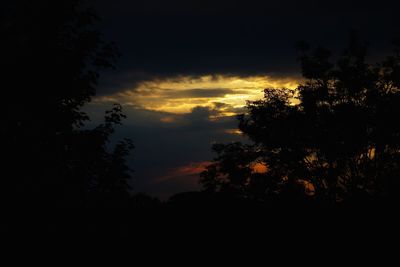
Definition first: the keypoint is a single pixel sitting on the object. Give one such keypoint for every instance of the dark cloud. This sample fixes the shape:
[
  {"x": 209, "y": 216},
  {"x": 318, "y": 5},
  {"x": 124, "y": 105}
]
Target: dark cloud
[
  {"x": 199, "y": 120},
  {"x": 238, "y": 7},
  {"x": 169, "y": 38}
]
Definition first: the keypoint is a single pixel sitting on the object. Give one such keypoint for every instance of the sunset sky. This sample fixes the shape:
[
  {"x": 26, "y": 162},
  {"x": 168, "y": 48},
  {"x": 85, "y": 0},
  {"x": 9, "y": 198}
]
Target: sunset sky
[{"x": 188, "y": 67}]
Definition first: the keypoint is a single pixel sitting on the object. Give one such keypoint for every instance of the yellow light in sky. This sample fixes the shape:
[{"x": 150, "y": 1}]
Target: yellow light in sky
[{"x": 181, "y": 94}]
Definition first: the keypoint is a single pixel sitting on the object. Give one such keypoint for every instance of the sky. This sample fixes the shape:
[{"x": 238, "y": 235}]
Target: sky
[{"x": 188, "y": 67}]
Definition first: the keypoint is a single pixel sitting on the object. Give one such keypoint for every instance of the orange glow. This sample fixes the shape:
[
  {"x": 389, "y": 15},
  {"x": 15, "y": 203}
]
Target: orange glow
[
  {"x": 234, "y": 131},
  {"x": 308, "y": 187},
  {"x": 259, "y": 168},
  {"x": 168, "y": 120},
  {"x": 193, "y": 169}
]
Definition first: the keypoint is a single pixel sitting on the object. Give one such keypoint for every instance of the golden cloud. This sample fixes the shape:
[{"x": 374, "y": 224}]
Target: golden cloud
[{"x": 181, "y": 94}]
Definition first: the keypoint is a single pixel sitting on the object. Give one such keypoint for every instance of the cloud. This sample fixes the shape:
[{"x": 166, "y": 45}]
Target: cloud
[
  {"x": 192, "y": 170},
  {"x": 238, "y": 7},
  {"x": 183, "y": 93},
  {"x": 161, "y": 39},
  {"x": 200, "y": 114},
  {"x": 200, "y": 93}
]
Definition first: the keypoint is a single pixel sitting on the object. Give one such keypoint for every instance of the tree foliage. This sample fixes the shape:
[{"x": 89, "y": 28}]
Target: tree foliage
[
  {"x": 334, "y": 139},
  {"x": 51, "y": 54}
]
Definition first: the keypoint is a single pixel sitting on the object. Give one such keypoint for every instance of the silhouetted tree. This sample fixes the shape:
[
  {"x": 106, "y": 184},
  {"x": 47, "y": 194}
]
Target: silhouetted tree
[
  {"x": 334, "y": 139},
  {"x": 51, "y": 55}
]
